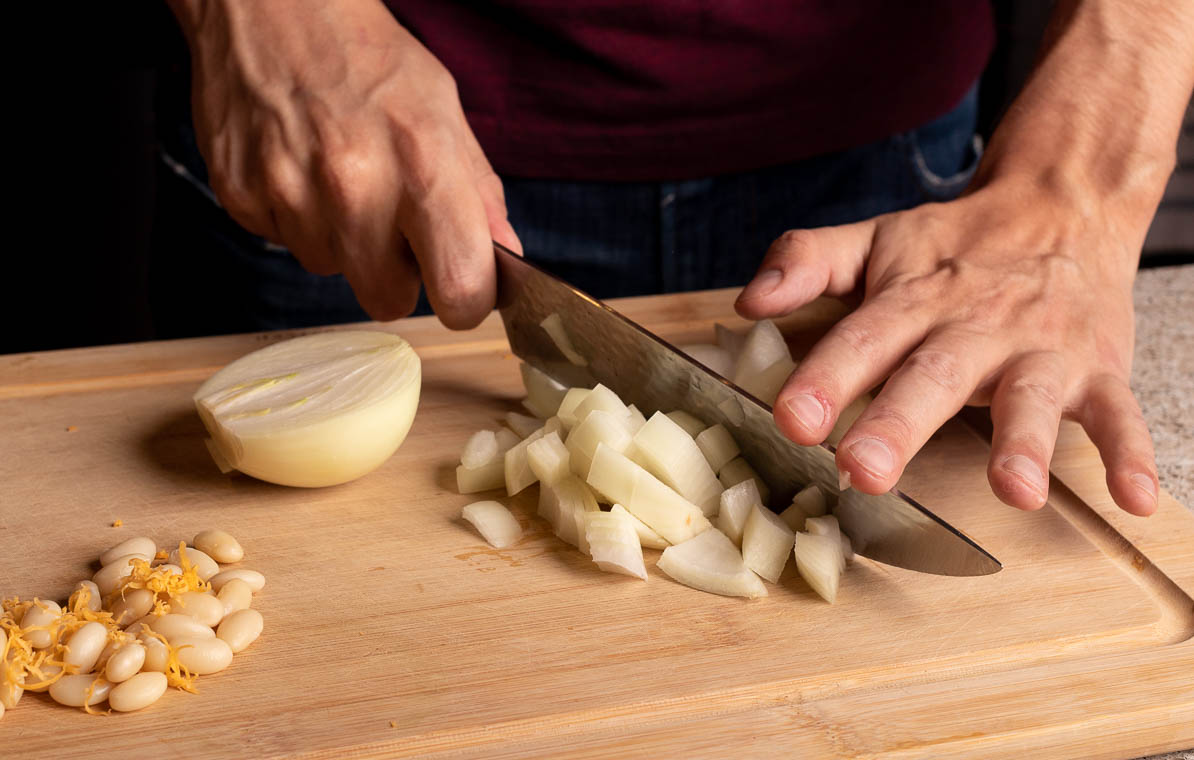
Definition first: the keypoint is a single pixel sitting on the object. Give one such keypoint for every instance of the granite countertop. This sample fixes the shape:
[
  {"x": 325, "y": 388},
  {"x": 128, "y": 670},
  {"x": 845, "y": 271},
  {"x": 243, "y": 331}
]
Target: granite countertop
[{"x": 1163, "y": 379}]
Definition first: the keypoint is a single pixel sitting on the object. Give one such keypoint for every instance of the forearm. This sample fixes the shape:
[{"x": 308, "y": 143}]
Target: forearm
[{"x": 1098, "y": 121}]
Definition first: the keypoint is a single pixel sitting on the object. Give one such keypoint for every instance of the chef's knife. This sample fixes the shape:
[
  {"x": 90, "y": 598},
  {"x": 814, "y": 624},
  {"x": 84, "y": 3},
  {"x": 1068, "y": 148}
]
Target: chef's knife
[{"x": 642, "y": 369}]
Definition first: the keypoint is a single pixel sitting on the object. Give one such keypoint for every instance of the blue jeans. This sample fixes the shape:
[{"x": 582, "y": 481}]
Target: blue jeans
[{"x": 609, "y": 239}]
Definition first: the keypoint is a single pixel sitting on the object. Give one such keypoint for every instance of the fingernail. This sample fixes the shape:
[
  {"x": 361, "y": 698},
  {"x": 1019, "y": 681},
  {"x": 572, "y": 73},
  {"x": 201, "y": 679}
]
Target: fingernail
[
  {"x": 807, "y": 410},
  {"x": 874, "y": 456},
  {"x": 763, "y": 283},
  {"x": 1146, "y": 484},
  {"x": 1025, "y": 469}
]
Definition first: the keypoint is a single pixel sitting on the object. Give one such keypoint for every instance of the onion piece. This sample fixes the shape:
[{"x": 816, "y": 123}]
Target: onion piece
[
  {"x": 765, "y": 385},
  {"x": 313, "y": 411},
  {"x": 481, "y": 448},
  {"x": 666, "y": 512},
  {"x": 601, "y": 398},
  {"x": 710, "y": 562},
  {"x": 548, "y": 458},
  {"x": 847, "y": 548},
  {"x": 494, "y": 522},
  {"x": 544, "y": 393},
  {"x": 523, "y": 425},
  {"x": 567, "y": 410},
  {"x": 728, "y": 339},
  {"x": 613, "y": 543},
  {"x": 737, "y": 470},
  {"x": 691, "y": 424},
  {"x": 670, "y": 454},
  {"x": 818, "y": 558},
  {"x": 569, "y": 499},
  {"x": 637, "y": 420},
  {"x": 599, "y": 427},
  {"x": 714, "y": 357},
  {"x": 484, "y": 478},
  {"x": 826, "y": 526},
  {"x": 762, "y": 347},
  {"x": 808, "y": 502},
  {"x": 554, "y": 326},
  {"x": 516, "y": 466},
  {"x": 766, "y": 543},
  {"x": 718, "y": 446},
  {"x": 647, "y": 538},
  {"x": 736, "y": 504}
]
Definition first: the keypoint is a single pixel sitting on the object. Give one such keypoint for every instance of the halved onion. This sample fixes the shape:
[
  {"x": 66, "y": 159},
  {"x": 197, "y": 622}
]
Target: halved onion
[{"x": 313, "y": 411}]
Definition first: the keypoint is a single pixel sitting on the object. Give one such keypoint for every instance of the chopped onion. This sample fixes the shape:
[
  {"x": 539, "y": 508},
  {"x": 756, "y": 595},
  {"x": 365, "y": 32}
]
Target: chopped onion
[
  {"x": 667, "y": 513},
  {"x": 808, "y": 502},
  {"x": 481, "y": 448},
  {"x": 523, "y": 425},
  {"x": 567, "y": 410},
  {"x": 647, "y": 538},
  {"x": 765, "y": 386},
  {"x": 737, "y": 470},
  {"x": 847, "y": 548},
  {"x": 826, "y": 526},
  {"x": 818, "y": 558},
  {"x": 717, "y": 445},
  {"x": 313, "y": 411},
  {"x": 714, "y": 357},
  {"x": 710, "y": 562},
  {"x": 736, "y": 504},
  {"x": 691, "y": 424},
  {"x": 568, "y": 501},
  {"x": 544, "y": 394},
  {"x": 730, "y": 340},
  {"x": 603, "y": 399},
  {"x": 766, "y": 543},
  {"x": 637, "y": 420},
  {"x": 599, "y": 427},
  {"x": 554, "y": 326},
  {"x": 763, "y": 347},
  {"x": 613, "y": 543},
  {"x": 484, "y": 478},
  {"x": 670, "y": 454},
  {"x": 494, "y": 522},
  {"x": 517, "y": 467},
  {"x": 548, "y": 458},
  {"x": 507, "y": 440}
]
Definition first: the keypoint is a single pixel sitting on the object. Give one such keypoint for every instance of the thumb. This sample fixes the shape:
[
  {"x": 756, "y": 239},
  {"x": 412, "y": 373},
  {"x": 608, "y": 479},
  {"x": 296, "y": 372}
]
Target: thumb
[{"x": 803, "y": 264}]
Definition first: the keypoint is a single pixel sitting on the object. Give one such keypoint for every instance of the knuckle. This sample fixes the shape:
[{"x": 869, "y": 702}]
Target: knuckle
[
  {"x": 348, "y": 179},
  {"x": 1044, "y": 394},
  {"x": 890, "y": 423},
  {"x": 858, "y": 337},
  {"x": 283, "y": 184},
  {"x": 795, "y": 244},
  {"x": 423, "y": 148},
  {"x": 941, "y": 368}
]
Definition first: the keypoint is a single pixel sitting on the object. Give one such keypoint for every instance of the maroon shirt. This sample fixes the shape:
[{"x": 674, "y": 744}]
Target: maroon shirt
[{"x": 675, "y": 89}]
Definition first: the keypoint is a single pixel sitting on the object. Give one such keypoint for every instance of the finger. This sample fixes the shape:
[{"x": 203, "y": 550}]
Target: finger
[
  {"x": 1113, "y": 420},
  {"x": 493, "y": 194},
  {"x": 442, "y": 216},
  {"x": 854, "y": 356},
  {"x": 386, "y": 285},
  {"x": 294, "y": 206},
  {"x": 1025, "y": 412},
  {"x": 928, "y": 388},
  {"x": 802, "y": 264}
]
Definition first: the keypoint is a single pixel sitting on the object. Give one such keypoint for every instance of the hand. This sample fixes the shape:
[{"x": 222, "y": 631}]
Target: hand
[
  {"x": 329, "y": 129},
  {"x": 1004, "y": 297}
]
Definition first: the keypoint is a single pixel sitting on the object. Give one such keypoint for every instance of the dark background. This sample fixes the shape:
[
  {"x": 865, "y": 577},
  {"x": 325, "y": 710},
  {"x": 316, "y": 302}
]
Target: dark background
[{"x": 82, "y": 164}]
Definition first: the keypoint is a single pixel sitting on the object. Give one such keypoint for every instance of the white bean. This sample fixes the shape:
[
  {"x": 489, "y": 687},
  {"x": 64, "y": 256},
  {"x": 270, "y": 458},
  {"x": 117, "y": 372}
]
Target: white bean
[
  {"x": 94, "y": 601},
  {"x": 219, "y": 545},
  {"x": 157, "y": 654},
  {"x": 204, "y": 607},
  {"x": 84, "y": 646},
  {"x": 204, "y": 565},
  {"x": 42, "y": 613},
  {"x": 255, "y": 579},
  {"x": 235, "y": 595},
  {"x": 203, "y": 655},
  {"x": 10, "y": 694},
  {"x": 135, "y": 604},
  {"x": 240, "y": 629},
  {"x": 125, "y": 663},
  {"x": 140, "y": 691},
  {"x": 110, "y": 575},
  {"x": 72, "y": 690},
  {"x": 174, "y": 626},
  {"x": 141, "y": 546}
]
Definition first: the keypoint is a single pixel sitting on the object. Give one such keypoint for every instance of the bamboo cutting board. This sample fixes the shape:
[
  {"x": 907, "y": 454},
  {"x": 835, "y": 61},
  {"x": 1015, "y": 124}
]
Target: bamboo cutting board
[{"x": 392, "y": 630}]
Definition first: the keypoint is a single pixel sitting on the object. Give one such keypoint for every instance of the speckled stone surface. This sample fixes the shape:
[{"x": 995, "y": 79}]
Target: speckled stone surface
[
  {"x": 1163, "y": 372},
  {"x": 1163, "y": 378}
]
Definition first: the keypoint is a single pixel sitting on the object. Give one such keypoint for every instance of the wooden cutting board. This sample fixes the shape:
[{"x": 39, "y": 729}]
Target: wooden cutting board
[{"x": 393, "y": 630}]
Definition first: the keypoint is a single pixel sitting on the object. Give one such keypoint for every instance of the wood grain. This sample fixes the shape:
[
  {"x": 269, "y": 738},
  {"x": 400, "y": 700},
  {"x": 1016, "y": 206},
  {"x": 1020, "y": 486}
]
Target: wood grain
[{"x": 383, "y": 607}]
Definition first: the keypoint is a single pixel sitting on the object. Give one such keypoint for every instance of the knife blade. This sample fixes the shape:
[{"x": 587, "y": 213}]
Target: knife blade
[{"x": 645, "y": 370}]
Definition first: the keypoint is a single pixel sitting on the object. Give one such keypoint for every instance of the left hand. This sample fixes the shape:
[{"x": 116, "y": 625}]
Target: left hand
[{"x": 1008, "y": 297}]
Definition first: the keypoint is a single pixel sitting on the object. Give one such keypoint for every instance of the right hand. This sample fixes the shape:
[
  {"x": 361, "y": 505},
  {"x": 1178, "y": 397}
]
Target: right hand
[{"x": 329, "y": 129}]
